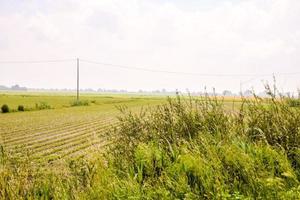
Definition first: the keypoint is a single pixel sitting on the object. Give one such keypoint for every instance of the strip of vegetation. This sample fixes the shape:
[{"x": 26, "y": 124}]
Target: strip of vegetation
[
  {"x": 195, "y": 149},
  {"x": 42, "y": 106},
  {"x": 80, "y": 103},
  {"x": 185, "y": 149},
  {"x": 6, "y": 109},
  {"x": 292, "y": 102},
  {"x": 38, "y": 106}
]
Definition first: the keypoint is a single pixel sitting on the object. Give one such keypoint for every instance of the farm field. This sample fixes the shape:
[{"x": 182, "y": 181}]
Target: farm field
[
  {"x": 65, "y": 131},
  {"x": 62, "y": 131},
  {"x": 188, "y": 147}
]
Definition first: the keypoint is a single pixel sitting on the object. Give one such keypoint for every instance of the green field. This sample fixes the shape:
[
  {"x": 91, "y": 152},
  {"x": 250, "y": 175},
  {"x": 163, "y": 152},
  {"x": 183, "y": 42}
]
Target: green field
[
  {"x": 174, "y": 148},
  {"x": 63, "y": 130}
]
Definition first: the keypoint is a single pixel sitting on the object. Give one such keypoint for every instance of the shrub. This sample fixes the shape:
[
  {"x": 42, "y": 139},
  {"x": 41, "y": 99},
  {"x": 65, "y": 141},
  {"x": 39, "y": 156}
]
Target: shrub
[
  {"x": 5, "y": 108},
  {"x": 21, "y": 108},
  {"x": 80, "y": 103},
  {"x": 42, "y": 106}
]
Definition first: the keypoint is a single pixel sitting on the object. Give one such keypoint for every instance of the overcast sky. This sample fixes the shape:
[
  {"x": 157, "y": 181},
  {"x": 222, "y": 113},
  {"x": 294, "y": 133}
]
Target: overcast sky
[{"x": 232, "y": 37}]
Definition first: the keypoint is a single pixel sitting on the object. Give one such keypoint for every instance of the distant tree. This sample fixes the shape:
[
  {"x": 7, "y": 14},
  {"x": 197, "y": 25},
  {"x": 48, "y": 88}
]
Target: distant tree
[
  {"x": 2, "y": 87},
  {"x": 17, "y": 87},
  {"x": 227, "y": 93},
  {"x": 247, "y": 93}
]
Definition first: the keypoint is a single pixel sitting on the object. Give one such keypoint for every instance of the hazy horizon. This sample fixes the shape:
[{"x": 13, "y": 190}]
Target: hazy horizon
[{"x": 213, "y": 39}]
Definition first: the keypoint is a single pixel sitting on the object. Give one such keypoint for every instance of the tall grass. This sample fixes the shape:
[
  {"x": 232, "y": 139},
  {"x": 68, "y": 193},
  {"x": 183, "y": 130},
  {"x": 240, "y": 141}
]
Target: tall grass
[
  {"x": 187, "y": 148},
  {"x": 195, "y": 148}
]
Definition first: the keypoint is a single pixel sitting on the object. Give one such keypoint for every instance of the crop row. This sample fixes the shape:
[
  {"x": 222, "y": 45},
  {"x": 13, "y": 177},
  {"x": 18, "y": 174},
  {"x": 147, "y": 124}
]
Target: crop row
[
  {"x": 50, "y": 125},
  {"x": 60, "y": 144},
  {"x": 34, "y": 137},
  {"x": 62, "y": 140}
]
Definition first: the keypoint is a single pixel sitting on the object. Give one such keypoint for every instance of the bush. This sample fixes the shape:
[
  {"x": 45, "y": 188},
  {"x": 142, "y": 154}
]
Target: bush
[
  {"x": 80, "y": 103},
  {"x": 5, "y": 108},
  {"x": 42, "y": 106},
  {"x": 21, "y": 108}
]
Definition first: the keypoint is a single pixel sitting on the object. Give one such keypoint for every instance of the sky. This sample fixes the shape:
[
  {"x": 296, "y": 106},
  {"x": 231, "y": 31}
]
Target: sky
[{"x": 222, "y": 44}]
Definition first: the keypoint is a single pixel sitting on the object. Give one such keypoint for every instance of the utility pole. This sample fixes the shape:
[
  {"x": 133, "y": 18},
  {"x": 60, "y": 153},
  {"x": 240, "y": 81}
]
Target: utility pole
[
  {"x": 77, "y": 79},
  {"x": 241, "y": 92}
]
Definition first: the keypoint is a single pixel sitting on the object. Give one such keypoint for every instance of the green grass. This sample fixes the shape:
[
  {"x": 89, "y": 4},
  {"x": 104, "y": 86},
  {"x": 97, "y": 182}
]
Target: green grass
[
  {"x": 56, "y": 126},
  {"x": 184, "y": 148},
  {"x": 197, "y": 150},
  {"x": 60, "y": 100}
]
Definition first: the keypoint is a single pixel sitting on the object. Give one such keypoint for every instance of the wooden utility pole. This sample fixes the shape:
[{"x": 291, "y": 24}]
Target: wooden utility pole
[
  {"x": 241, "y": 84},
  {"x": 77, "y": 79}
]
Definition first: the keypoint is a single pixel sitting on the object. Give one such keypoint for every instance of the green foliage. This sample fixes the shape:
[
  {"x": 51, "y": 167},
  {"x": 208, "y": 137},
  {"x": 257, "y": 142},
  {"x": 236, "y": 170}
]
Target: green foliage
[
  {"x": 21, "y": 108},
  {"x": 5, "y": 108},
  {"x": 274, "y": 122},
  {"x": 292, "y": 102},
  {"x": 80, "y": 103},
  {"x": 149, "y": 161},
  {"x": 42, "y": 106},
  {"x": 194, "y": 148}
]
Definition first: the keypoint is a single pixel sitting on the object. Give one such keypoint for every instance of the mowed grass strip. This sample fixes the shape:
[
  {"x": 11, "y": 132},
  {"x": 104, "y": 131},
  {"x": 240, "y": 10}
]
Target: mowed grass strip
[
  {"x": 51, "y": 125},
  {"x": 61, "y": 121},
  {"x": 63, "y": 131},
  {"x": 70, "y": 138},
  {"x": 81, "y": 150},
  {"x": 32, "y": 138},
  {"x": 99, "y": 146},
  {"x": 73, "y": 152},
  {"x": 60, "y": 143},
  {"x": 68, "y": 148}
]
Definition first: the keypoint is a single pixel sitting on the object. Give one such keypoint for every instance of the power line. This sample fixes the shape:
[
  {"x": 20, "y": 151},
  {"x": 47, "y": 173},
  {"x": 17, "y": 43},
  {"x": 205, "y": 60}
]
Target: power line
[
  {"x": 181, "y": 73},
  {"x": 36, "y": 61},
  {"x": 159, "y": 71},
  {"x": 147, "y": 69}
]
